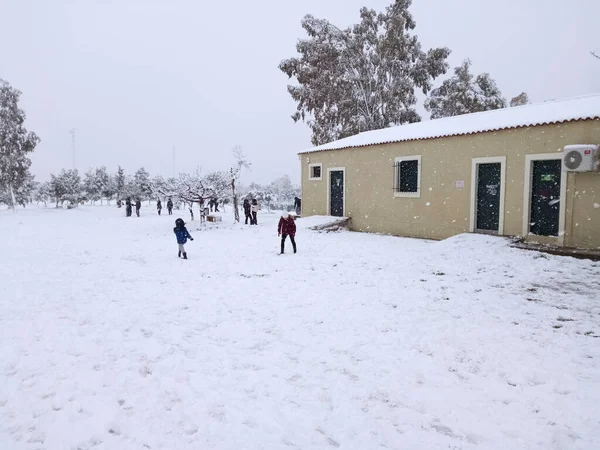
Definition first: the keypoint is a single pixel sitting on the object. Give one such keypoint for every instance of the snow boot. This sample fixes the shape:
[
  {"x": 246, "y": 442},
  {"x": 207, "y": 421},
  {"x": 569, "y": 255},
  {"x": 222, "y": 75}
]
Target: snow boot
[{"x": 184, "y": 255}]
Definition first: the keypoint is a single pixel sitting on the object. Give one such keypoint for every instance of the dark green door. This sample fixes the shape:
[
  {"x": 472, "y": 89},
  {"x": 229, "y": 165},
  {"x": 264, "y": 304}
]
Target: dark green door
[
  {"x": 336, "y": 193},
  {"x": 545, "y": 197},
  {"x": 488, "y": 196}
]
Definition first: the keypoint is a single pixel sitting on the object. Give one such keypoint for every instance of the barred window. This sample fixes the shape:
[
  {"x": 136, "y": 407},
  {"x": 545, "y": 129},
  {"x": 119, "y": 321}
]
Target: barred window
[
  {"x": 407, "y": 176},
  {"x": 315, "y": 172}
]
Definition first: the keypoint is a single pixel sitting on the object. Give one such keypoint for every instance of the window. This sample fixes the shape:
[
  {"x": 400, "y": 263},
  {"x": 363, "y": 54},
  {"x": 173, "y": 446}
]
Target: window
[
  {"x": 315, "y": 172},
  {"x": 407, "y": 176}
]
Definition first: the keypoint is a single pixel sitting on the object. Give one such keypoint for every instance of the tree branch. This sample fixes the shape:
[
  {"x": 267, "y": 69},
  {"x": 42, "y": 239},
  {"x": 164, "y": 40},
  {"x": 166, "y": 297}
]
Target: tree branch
[{"x": 595, "y": 55}]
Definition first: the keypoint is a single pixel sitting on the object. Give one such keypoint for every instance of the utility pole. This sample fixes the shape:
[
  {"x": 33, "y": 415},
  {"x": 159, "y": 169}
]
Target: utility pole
[{"x": 72, "y": 131}]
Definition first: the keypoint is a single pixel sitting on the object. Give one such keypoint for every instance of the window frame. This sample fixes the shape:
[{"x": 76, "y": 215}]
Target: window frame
[
  {"x": 310, "y": 172},
  {"x": 398, "y": 174}
]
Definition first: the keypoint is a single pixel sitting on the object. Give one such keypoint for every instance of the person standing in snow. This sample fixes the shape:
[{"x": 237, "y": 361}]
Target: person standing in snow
[
  {"x": 297, "y": 205},
  {"x": 128, "y": 207},
  {"x": 138, "y": 205},
  {"x": 182, "y": 235},
  {"x": 254, "y": 210},
  {"x": 247, "y": 211},
  {"x": 287, "y": 227},
  {"x": 159, "y": 206},
  {"x": 170, "y": 206}
]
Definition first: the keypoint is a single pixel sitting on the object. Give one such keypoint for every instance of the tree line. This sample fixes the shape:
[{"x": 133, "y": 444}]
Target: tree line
[
  {"x": 365, "y": 77},
  {"x": 98, "y": 185},
  {"x": 19, "y": 187}
]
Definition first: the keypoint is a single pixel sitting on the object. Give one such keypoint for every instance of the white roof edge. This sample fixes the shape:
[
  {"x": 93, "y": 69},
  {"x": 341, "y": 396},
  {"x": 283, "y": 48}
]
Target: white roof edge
[{"x": 555, "y": 111}]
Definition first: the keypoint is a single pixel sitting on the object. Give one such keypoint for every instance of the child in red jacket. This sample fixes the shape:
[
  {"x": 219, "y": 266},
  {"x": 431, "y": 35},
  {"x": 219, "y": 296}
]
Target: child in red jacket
[{"x": 287, "y": 227}]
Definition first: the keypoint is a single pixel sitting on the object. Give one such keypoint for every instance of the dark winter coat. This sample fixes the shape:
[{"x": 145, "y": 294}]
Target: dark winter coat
[
  {"x": 158, "y": 205},
  {"x": 138, "y": 204},
  {"x": 247, "y": 206},
  {"x": 287, "y": 226},
  {"x": 182, "y": 235},
  {"x": 170, "y": 204}
]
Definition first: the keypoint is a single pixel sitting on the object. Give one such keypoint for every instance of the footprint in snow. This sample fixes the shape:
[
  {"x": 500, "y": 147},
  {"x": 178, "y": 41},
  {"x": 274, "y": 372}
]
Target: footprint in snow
[{"x": 328, "y": 439}]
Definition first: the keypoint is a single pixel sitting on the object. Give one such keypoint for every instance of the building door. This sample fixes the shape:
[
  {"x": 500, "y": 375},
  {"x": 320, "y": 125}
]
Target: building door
[
  {"x": 336, "y": 193},
  {"x": 545, "y": 197},
  {"x": 488, "y": 196}
]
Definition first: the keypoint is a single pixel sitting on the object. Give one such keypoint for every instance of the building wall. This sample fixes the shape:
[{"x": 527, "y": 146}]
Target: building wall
[{"x": 443, "y": 209}]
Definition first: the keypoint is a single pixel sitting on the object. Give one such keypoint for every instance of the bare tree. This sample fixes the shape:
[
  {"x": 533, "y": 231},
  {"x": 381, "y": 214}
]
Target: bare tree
[{"x": 240, "y": 163}]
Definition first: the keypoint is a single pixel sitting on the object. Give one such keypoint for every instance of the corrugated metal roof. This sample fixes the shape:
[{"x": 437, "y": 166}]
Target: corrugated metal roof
[{"x": 579, "y": 108}]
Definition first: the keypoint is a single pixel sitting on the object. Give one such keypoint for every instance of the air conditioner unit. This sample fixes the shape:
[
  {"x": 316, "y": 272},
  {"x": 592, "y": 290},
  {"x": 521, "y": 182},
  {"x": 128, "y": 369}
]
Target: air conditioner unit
[{"x": 580, "y": 158}]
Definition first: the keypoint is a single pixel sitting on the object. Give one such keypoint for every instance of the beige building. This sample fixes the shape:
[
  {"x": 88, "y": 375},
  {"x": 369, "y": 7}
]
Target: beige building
[{"x": 529, "y": 171}]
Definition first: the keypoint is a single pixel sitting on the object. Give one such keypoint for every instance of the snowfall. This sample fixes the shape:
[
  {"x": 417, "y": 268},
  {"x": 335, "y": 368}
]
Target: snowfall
[{"x": 358, "y": 341}]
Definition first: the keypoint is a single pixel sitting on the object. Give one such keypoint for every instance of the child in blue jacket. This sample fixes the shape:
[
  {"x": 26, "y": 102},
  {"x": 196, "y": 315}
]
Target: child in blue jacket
[{"x": 182, "y": 235}]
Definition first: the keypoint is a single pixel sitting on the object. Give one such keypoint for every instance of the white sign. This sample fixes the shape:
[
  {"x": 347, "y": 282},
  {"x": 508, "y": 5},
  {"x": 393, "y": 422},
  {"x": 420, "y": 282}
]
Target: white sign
[{"x": 460, "y": 184}]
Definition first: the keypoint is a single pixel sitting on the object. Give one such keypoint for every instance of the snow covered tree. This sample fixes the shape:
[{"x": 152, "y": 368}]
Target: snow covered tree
[
  {"x": 283, "y": 189},
  {"x": 103, "y": 183},
  {"x": 158, "y": 185},
  {"x": 361, "y": 78},
  {"x": 166, "y": 188},
  {"x": 90, "y": 186},
  {"x": 143, "y": 186},
  {"x": 120, "y": 183},
  {"x": 106, "y": 184},
  {"x": 234, "y": 174},
  {"x": 66, "y": 186},
  {"x": 216, "y": 185},
  {"x": 42, "y": 192},
  {"x": 97, "y": 184},
  {"x": 519, "y": 100},
  {"x": 464, "y": 94},
  {"x": 20, "y": 195},
  {"x": 15, "y": 143},
  {"x": 191, "y": 188},
  {"x": 130, "y": 189}
]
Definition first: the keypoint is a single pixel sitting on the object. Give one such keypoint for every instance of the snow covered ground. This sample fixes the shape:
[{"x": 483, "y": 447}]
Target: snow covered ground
[{"x": 108, "y": 341}]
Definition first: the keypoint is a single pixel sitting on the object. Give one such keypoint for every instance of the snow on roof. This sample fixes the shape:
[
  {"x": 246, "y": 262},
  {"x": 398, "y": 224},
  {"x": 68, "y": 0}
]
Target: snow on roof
[{"x": 579, "y": 108}]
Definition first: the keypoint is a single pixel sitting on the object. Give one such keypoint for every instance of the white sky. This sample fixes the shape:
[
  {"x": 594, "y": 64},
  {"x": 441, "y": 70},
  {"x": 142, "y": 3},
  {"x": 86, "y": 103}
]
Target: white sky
[{"x": 137, "y": 77}]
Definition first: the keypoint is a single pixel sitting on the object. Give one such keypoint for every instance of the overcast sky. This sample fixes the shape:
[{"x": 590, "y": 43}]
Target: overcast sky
[{"x": 137, "y": 77}]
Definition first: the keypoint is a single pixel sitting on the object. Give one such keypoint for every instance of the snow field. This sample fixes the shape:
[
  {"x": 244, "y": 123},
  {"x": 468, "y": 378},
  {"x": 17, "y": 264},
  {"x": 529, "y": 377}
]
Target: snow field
[{"x": 359, "y": 341}]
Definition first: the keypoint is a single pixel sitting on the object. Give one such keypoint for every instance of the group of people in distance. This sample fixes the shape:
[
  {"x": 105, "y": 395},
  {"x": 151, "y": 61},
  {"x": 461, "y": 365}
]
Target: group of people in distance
[
  {"x": 138, "y": 204},
  {"x": 129, "y": 206},
  {"x": 251, "y": 211},
  {"x": 169, "y": 206}
]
